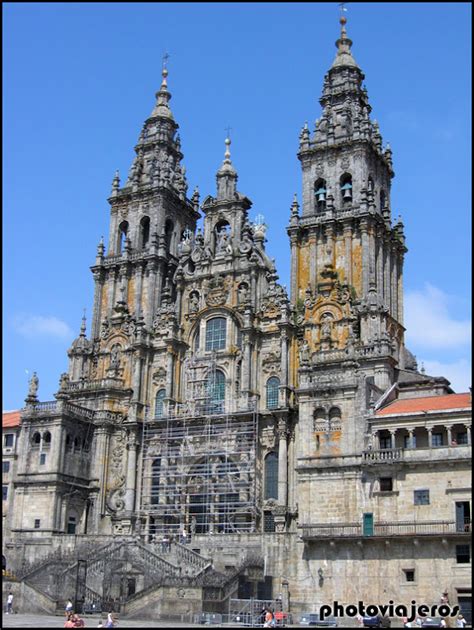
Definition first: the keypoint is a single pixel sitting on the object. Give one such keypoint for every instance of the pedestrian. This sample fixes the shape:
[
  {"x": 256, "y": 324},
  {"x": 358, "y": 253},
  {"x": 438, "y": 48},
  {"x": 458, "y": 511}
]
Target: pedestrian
[
  {"x": 461, "y": 622},
  {"x": 10, "y": 603},
  {"x": 68, "y": 608},
  {"x": 110, "y": 623},
  {"x": 261, "y": 617},
  {"x": 77, "y": 621},
  {"x": 268, "y": 618},
  {"x": 69, "y": 623}
]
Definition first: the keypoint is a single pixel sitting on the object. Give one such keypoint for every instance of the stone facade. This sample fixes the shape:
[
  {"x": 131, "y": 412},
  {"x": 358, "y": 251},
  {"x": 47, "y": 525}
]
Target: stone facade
[{"x": 208, "y": 404}]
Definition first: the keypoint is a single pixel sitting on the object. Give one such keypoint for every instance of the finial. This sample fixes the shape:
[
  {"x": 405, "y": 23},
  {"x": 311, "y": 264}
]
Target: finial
[
  {"x": 164, "y": 69},
  {"x": 101, "y": 247},
  {"x": 83, "y": 324},
  {"x": 227, "y": 149},
  {"x": 342, "y": 19},
  {"x": 116, "y": 182}
]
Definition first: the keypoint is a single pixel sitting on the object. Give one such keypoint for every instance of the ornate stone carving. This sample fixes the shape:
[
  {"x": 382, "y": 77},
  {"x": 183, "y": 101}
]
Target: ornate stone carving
[{"x": 217, "y": 291}]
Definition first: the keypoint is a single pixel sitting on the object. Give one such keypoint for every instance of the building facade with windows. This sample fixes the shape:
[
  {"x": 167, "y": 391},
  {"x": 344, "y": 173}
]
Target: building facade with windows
[{"x": 290, "y": 438}]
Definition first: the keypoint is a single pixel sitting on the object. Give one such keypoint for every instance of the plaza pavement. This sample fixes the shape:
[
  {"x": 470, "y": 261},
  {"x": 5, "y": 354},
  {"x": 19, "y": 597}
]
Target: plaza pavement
[{"x": 91, "y": 621}]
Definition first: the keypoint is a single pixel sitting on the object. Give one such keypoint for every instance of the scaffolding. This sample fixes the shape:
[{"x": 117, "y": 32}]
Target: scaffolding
[{"x": 199, "y": 461}]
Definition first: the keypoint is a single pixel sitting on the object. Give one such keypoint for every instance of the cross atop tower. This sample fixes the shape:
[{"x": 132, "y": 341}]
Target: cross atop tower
[{"x": 165, "y": 60}]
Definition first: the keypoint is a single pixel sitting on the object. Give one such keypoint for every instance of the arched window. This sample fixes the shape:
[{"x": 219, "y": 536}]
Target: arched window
[
  {"x": 370, "y": 184},
  {"x": 71, "y": 525},
  {"x": 273, "y": 384},
  {"x": 160, "y": 395},
  {"x": 346, "y": 187},
  {"x": 197, "y": 339},
  {"x": 46, "y": 439},
  {"x": 169, "y": 235},
  {"x": 144, "y": 232},
  {"x": 320, "y": 192},
  {"x": 271, "y": 476},
  {"x": 36, "y": 440},
  {"x": 383, "y": 199},
  {"x": 334, "y": 418},
  {"x": 216, "y": 333},
  {"x": 68, "y": 443},
  {"x": 77, "y": 444},
  {"x": 122, "y": 236},
  {"x": 155, "y": 481},
  {"x": 216, "y": 391}
]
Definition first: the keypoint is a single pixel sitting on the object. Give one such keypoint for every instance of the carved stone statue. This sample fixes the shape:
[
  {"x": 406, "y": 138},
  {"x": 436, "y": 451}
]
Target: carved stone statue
[
  {"x": 243, "y": 293},
  {"x": 194, "y": 302},
  {"x": 304, "y": 352},
  {"x": 33, "y": 388},
  {"x": 115, "y": 357}
]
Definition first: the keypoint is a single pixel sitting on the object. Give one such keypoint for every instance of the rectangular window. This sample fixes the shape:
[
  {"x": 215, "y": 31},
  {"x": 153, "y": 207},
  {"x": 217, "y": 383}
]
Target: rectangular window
[
  {"x": 409, "y": 442},
  {"x": 437, "y": 439},
  {"x": 268, "y": 522},
  {"x": 6, "y": 467},
  {"x": 42, "y": 459},
  {"x": 461, "y": 438},
  {"x": 385, "y": 441},
  {"x": 5, "y": 492},
  {"x": 8, "y": 440},
  {"x": 216, "y": 334},
  {"x": 421, "y": 497},
  {"x": 463, "y": 554},
  {"x": 37, "y": 523},
  {"x": 386, "y": 484},
  {"x": 409, "y": 575}
]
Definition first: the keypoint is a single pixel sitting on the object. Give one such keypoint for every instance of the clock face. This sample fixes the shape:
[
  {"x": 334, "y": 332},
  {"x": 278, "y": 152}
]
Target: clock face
[{"x": 181, "y": 592}]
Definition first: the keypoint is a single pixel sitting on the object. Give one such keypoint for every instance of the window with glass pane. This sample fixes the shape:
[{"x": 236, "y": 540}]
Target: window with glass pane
[
  {"x": 216, "y": 334},
  {"x": 271, "y": 476},
  {"x": 437, "y": 439},
  {"x": 273, "y": 384},
  {"x": 155, "y": 481},
  {"x": 216, "y": 390},
  {"x": 421, "y": 497},
  {"x": 160, "y": 395},
  {"x": 461, "y": 438},
  {"x": 409, "y": 442},
  {"x": 385, "y": 441}
]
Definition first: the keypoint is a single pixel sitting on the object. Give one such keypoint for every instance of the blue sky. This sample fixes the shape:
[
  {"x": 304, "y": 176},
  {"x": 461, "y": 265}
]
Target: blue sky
[{"x": 79, "y": 80}]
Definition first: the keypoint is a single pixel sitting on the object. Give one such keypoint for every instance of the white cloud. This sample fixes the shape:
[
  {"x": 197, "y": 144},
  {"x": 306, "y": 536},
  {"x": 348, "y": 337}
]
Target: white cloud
[
  {"x": 429, "y": 323},
  {"x": 31, "y": 326},
  {"x": 458, "y": 373}
]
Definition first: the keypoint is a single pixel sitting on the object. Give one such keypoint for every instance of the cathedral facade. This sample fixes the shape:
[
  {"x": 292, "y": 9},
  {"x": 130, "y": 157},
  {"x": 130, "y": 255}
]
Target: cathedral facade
[{"x": 212, "y": 424}]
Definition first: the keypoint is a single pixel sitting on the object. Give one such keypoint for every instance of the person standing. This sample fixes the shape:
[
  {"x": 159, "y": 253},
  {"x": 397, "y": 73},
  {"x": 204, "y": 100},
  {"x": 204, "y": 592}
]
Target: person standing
[
  {"x": 460, "y": 622},
  {"x": 10, "y": 603},
  {"x": 68, "y": 609}
]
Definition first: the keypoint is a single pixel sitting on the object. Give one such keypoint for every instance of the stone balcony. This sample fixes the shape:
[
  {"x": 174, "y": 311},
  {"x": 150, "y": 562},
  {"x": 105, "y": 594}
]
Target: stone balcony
[
  {"x": 388, "y": 529},
  {"x": 413, "y": 455}
]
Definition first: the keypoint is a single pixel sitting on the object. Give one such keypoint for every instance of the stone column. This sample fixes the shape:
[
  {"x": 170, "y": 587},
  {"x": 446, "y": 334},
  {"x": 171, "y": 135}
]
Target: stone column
[
  {"x": 110, "y": 290},
  {"x": 386, "y": 272},
  {"x": 136, "y": 379},
  {"x": 394, "y": 285},
  {"x": 96, "y": 315},
  {"x": 372, "y": 268},
  {"x": 379, "y": 263},
  {"x": 131, "y": 473},
  {"x": 400, "y": 288},
  {"x": 313, "y": 260},
  {"x": 169, "y": 373},
  {"x": 468, "y": 430},
  {"x": 294, "y": 267},
  {"x": 348, "y": 257},
  {"x": 449, "y": 434},
  {"x": 284, "y": 357},
  {"x": 392, "y": 438},
  {"x": 291, "y": 469},
  {"x": 99, "y": 468},
  {"x": 365, "y": 256},
  {"x": 282, "y": 463},
  {"x": 139, "y": 287},
  {"x": 429, "y": 437},
  {"x": 410, "y": 438}
]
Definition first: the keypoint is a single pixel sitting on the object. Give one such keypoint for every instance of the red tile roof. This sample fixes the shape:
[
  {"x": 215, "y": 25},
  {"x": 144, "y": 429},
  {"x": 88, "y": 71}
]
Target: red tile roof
[
  {"x": 10, "y": 419},
  {"x": 429, "y": 403}
]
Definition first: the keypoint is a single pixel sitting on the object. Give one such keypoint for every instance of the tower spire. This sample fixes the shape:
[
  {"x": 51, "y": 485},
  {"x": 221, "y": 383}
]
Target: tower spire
[
  {"x": 343, "y": 44},
  {"x": 163, "y": 96},
  {"x": 226, "y": 175}
]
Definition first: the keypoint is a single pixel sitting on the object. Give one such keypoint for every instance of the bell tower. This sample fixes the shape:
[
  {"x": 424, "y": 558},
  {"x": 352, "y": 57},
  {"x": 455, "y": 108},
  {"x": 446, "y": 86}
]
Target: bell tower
[{"x": 347, "y": 256}]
